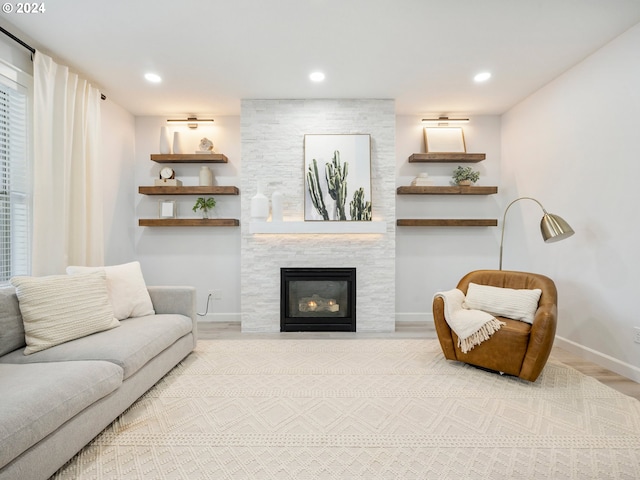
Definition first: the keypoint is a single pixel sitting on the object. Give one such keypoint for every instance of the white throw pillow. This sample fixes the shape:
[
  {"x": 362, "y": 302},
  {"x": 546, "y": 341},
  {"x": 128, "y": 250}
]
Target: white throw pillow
[
  {"x": 59, "y": 308},
  {"x": 504, "y": 302},
  {"x": 127, "y": 289}
]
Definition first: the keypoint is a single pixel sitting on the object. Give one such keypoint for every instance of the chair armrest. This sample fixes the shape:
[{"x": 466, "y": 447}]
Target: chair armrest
[
  {"x": 443, "y": 330},
  {"x": 178, "y": 300},
  {"x": 543, "y": 333}
]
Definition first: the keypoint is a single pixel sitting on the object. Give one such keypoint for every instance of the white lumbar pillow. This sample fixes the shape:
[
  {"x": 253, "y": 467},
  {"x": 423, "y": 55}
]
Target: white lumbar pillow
[
  {"x": 59, "y": 308},
  {"x": 127, "y": 289},
  {"x": 518, "y": 304}
]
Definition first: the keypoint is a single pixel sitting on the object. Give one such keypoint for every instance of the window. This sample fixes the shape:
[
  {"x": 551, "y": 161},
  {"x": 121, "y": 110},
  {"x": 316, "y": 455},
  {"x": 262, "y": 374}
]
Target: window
[{"x": 15, "y": 198}]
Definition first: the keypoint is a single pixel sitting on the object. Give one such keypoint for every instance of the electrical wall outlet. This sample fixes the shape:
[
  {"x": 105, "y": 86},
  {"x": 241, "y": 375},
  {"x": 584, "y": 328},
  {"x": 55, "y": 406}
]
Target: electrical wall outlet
[
  {"x": 636, "y": 336},
  {"x": 215, "y": 294}
]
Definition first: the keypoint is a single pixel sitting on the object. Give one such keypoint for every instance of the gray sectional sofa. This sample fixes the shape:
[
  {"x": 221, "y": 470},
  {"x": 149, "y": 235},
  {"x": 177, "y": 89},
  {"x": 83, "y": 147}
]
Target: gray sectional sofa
[{"x": 54, "y": 402}]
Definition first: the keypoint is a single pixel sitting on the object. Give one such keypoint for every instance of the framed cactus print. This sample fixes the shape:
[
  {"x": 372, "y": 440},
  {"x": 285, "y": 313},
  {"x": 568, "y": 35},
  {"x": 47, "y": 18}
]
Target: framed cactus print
[{"x": 337, "y": 177}]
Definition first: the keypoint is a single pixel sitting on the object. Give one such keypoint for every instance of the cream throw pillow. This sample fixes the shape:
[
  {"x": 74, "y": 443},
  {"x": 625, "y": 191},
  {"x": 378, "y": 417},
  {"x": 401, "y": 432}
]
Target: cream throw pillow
[
  {"x": 504, "y": 302},
  {"x": 127, "y": 289},
  {"x": 59, "y": 308}
]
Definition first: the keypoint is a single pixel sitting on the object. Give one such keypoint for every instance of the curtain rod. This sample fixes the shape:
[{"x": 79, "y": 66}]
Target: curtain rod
[
  {"x": 16, "y": 39},
  {"x": 32, "y": 50}
]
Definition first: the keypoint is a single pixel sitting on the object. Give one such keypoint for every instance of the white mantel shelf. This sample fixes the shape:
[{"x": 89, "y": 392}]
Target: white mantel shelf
[{"x": 319, "y": 227}]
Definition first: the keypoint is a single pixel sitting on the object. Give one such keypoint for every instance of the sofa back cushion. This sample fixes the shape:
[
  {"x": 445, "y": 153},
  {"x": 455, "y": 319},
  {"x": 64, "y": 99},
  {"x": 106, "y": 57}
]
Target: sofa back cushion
[
  {"x": 127, "y": 289},
  {"x": 11, "y": 327}
]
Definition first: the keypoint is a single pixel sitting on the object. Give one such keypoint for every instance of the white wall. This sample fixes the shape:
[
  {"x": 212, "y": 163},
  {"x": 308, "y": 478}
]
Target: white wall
[
  {"x": 207, "y": 258},
  {"x": 117, "y": 155},
  {"x": 573, "y": 145},
  {"x": 427, "y": 259},
  {"x": 432, "y": 259}
]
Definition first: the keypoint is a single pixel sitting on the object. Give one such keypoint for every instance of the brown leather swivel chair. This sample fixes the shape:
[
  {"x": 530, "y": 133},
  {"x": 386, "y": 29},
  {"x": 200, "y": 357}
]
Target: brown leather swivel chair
[{"x": 518, "y": 348}]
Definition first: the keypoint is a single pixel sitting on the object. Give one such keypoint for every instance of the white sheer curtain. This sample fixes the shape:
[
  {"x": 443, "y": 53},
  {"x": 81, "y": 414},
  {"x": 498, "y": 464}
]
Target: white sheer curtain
[{"x": 67, "y": 194}]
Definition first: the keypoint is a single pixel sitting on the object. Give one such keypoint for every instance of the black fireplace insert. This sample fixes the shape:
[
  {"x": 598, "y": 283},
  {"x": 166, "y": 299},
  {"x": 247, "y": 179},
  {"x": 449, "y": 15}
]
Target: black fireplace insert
[{"x": 317, "y": 299}]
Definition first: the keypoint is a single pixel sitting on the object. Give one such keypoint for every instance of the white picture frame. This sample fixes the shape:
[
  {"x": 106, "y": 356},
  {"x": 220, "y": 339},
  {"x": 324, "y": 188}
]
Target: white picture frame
[
  {"x": 351, "y": 152},
  {"x": 444, "y": 140},
  {"x": 167, "y": 209}
]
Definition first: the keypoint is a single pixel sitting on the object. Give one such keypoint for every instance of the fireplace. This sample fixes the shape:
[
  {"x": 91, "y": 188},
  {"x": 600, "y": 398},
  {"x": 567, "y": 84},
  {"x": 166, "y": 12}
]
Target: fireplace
[{"x": 317, "y": 299}]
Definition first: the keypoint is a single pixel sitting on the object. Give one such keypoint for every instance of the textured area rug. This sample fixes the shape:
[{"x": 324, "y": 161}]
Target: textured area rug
[{"x": 363, "y": 409}]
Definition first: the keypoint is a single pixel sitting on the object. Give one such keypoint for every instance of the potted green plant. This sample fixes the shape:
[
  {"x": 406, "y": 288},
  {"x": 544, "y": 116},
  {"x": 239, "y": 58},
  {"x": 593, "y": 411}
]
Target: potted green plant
[
  {"x": 465, "y": 176},
  {"x": 204, "y": 205}
]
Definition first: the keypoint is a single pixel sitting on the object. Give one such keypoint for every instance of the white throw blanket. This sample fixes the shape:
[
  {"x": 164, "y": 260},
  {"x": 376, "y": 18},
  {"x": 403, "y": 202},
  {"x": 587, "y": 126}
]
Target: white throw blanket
[{"x": 472, "y": 326}]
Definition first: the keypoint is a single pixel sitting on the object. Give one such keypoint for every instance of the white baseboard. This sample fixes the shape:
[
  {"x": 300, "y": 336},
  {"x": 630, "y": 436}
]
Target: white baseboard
[
  {"x": 220, "y": 317},
  {"x": 621, "y": 368}
]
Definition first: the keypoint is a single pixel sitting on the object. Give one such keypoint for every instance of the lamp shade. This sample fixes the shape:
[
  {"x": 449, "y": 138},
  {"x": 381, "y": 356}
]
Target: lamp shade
[{"x": 554, "y": 228}]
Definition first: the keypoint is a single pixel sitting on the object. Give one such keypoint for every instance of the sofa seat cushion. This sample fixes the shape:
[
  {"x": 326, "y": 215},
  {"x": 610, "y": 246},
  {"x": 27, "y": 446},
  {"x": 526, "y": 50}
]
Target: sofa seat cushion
[
  {"x": 38, "y": 398},
  {"x": 130, "y": 346},
  {"x": 503, "y": 352}
]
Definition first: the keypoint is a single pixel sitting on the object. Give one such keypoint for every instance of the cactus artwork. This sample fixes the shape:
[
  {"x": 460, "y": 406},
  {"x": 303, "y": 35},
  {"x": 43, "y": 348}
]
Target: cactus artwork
[
  {"x": 360, "y": 209},
  {"x": 315, "y": 190},
  {"x": 336, "y": 175},
  {"x": 343, "y": 193}
]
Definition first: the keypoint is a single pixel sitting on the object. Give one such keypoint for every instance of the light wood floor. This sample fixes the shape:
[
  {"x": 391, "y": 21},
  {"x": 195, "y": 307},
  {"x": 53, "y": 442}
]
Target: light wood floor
[{"x": 225, "y": 330}]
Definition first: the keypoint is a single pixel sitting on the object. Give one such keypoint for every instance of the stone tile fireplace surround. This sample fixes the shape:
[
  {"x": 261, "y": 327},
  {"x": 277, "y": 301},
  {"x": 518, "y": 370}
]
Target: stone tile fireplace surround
[{"x": 272, "y": 136}]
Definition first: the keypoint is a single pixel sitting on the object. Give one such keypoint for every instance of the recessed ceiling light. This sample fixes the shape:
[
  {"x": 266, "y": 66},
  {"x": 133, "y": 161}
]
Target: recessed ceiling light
[
  {"x": 317, "y": 76},
  {"x": 152, "y": 77},
  {"x": 482, "y": 77}
]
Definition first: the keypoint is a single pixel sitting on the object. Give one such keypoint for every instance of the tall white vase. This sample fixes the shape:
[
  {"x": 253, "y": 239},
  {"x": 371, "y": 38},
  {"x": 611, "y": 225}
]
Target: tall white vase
[
  {"x": 259, "y": 206},
  {"x": 206, "y": 176},
  {"x": 276, "y": 207},
  {"x": 177, "y": 143},
  {"x": 165, "y": 143}
]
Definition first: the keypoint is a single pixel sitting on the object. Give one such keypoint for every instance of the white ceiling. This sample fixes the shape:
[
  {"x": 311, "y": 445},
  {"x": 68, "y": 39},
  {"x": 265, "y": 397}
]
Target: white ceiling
[{"x": 422, "y": 53}]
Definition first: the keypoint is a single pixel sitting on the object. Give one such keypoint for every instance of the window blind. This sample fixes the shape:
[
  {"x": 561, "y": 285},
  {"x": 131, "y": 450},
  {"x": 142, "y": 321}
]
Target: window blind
[{"x": 15, "y": 224}]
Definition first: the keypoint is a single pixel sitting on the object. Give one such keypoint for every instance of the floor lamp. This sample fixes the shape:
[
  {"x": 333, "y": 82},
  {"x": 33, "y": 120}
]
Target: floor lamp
[{"x": 552, "y": 227}]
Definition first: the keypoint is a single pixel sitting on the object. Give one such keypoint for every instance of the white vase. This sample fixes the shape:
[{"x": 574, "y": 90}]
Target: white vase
[
  {"x": 276, "y": 207},
  {"x": 259, "y": 206},
  {"x": 165, "y": 144},
  {"x": 177, "y": 143},
  {"x": 206, "y": 176}
]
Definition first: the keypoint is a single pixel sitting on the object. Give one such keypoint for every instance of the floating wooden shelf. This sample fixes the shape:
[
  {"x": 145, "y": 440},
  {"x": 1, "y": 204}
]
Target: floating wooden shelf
[
  {"x": 215, "y": 190},
  {"x": 447, "y": 157},
  {"x": 188, "y": 222},
  {"x": 444, "y": 190},
  {"x": 447, "y": 222},
  {"x": 189, "y": 158}
]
